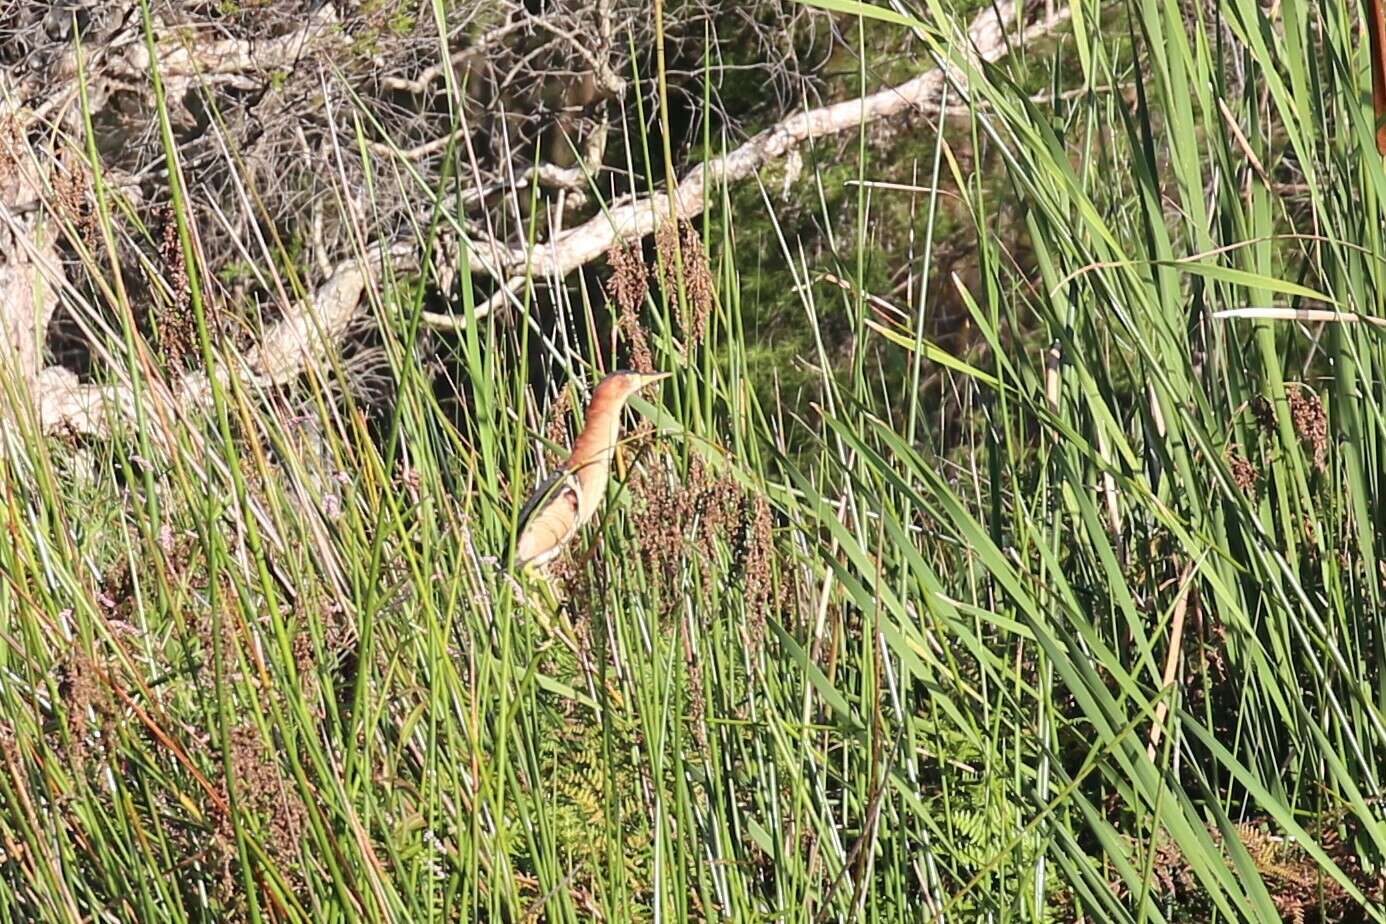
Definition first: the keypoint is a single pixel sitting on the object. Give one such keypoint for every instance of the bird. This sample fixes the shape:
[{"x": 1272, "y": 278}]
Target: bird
[
  {"x": 1376, "y": 35},
  {"x": 567, "y": 498}
]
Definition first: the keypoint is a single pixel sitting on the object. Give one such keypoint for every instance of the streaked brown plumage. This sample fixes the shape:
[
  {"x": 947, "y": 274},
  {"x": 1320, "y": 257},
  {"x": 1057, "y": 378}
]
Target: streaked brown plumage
[{"x": 568, "y": 497}]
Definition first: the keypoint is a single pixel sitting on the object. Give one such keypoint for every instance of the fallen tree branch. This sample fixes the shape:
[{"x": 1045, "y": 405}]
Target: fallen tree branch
[
  {"x": 181, "y": 64},
  {"x": 27, "y": 295},
  {"x": 639, "y": 217},
  {"x": 126, "y": 59},
  {"x": 300, "y": 339}
]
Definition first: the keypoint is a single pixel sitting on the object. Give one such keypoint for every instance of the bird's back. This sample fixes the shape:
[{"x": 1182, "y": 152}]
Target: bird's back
[{"x": 549, "y": 518}]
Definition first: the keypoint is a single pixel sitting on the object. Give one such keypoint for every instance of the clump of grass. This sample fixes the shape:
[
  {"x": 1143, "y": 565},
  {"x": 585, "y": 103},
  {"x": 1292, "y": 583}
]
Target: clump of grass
[{"x": 868, "y": 655}]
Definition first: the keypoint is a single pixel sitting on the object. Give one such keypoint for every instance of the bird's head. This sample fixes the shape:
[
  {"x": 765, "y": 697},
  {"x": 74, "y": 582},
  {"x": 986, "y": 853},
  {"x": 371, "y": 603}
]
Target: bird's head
[
  {"x": 618, "y": 387},
  {"x": 603, "y": 424}
]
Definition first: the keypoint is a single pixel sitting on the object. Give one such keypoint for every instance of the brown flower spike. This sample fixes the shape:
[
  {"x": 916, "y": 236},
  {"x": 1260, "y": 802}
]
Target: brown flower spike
[
  {"x": 683, "y": 262},
  {"x": 628, "y": 286}
]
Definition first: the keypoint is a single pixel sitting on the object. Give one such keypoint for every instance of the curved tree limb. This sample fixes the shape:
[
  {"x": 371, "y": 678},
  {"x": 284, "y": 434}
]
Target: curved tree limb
[
  {"x": 125, "y": 59},
  {"x": 636, "y": 218},
  {"x": 301, "y": 338},
  {"x": 31, "y": 274},
  {"x": 307, "y": 329}
]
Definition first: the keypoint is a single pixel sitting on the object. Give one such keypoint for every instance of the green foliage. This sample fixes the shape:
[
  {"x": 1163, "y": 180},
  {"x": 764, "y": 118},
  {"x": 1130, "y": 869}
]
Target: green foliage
[{"x": 885, "y": 635}]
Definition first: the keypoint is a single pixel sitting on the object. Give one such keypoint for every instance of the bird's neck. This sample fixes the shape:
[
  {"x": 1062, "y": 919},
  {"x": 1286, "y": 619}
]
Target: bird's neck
[
  {"x": 598, "y": 439},
  {"x": 592, "y": 453}
]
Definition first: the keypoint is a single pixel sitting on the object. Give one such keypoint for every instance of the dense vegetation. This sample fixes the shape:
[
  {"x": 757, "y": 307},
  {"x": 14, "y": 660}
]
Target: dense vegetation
[{"x": 983, "y": 559}]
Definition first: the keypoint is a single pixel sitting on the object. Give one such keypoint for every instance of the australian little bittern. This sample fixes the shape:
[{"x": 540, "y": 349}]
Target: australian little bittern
[
  {"x": 568, "y": 497},
  {"x": 1376, "y": 37}
]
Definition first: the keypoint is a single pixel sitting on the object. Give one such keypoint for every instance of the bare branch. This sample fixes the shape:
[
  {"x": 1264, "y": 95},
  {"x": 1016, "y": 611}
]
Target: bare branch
[
  {"x": 433, "y": 73},
  {"x": 637, "y": 218},
  {"x": 303, "y": 336},
  {"x": 183, "y": 62},
  {"x": 418, "y": 152},
  {"x": 299, "y": 340},
  {"x": 608, "y": 79},
  {"x": 189, "y": 57},
  {"x": 28, "y": 258}
]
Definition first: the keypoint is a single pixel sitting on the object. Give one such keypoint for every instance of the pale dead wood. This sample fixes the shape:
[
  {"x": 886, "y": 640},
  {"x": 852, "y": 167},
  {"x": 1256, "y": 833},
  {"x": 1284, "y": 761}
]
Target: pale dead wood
[
  {"x": 27, "y": 296},
  {"x": 636, "y": 218},
  {"x": 30, "y": 270},
  {"x": 28, "y": 258},
  {"x": 1176, "y": 644},
  {"x": 303, "y": 337},
  {"x": 125, "y": 60},
  {"x": 305, "y": 331},
  {"x": 183, "y": 62},
  {"x": 31, "y": 275}
]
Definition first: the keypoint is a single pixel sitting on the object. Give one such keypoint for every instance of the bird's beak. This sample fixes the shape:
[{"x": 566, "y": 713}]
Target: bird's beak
[{"x": 654, "y": 377}]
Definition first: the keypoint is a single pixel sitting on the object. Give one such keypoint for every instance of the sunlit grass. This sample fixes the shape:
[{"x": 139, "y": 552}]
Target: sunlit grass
[{"x": 894, "y": 647}]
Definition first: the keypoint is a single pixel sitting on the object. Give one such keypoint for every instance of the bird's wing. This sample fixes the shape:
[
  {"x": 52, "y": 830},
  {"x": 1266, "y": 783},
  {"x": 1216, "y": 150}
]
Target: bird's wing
[
  {"x": 549, "y": 518},
  {"x": 551, "y": 484}
]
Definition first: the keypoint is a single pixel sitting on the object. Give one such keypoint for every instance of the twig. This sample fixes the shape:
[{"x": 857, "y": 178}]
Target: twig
[
  {"x": 430, "y": 75},
  {"x": 1176, "y": 643},
  {"x": 1307, "y": 315},
  {"x": 417, "y": 152},
  {"x": 640, "y": 217},
  {"x": 300, "y": 338},
  {"x": 612, "y": 82}
]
